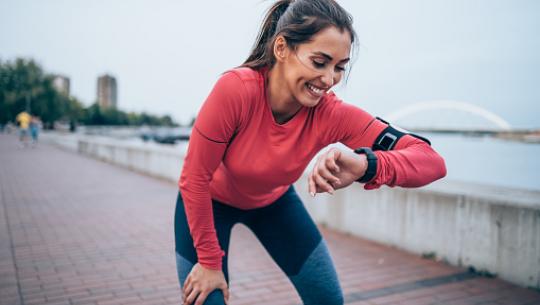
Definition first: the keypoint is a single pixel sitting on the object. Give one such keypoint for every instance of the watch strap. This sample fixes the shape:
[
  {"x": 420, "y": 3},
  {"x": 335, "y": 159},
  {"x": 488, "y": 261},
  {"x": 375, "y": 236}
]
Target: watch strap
[{"x": 372, "y": 164}]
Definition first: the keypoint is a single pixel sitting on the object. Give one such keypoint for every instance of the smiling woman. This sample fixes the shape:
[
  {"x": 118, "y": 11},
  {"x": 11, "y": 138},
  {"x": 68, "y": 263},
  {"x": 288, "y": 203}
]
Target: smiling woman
[
  {"x": 258, "y": 129},
  {"x": 310, "y": 69}
]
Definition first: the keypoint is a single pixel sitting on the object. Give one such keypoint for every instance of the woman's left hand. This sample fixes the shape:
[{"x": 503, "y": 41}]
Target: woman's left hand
[{"x": 334, "y": 170}]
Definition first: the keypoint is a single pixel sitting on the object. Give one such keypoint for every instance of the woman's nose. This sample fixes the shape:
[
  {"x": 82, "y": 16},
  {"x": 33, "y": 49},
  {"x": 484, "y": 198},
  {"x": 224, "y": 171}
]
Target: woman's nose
[{"x": 328, "y": 78}]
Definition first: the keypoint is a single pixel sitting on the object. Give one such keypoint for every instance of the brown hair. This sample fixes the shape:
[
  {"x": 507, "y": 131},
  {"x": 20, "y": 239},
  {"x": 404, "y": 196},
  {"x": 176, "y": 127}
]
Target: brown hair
[{"x": 297, "y": 21}]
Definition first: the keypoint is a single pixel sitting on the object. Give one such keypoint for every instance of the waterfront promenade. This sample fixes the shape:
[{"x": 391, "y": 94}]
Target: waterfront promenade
[{"x": 74, "y": 230}]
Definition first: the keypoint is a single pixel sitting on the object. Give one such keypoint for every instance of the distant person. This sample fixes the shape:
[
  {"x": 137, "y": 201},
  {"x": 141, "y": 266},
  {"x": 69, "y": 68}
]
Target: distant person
[
  {"x": 23, "y": 120},
  {"x": 253, "y": 138},
  {"x": 35, "y": 125},
  {"x": 72, "y": 126},
  {"x": 10, "y": 127}
]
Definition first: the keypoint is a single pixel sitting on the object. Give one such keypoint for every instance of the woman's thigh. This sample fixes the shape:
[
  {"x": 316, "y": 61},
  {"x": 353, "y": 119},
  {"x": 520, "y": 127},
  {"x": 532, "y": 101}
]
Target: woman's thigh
[
  {"x": 186, "y": 255},
  {"x": 293, "y": 240}
]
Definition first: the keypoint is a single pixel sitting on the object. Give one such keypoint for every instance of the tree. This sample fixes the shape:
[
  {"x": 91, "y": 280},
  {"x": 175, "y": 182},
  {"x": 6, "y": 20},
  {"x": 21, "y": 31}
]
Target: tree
[{"x": 25, "y": 86}]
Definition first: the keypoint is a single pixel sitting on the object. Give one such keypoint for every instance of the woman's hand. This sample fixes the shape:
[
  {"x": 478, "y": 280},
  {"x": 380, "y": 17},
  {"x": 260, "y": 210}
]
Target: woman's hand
[
  {"x": 335, "y": 169},
  {"x": 201, "y": 282}
]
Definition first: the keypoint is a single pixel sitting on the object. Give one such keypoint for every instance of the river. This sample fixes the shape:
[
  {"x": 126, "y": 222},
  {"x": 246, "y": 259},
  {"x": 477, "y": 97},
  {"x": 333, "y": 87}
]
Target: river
[{"x": 489, "y": 160}]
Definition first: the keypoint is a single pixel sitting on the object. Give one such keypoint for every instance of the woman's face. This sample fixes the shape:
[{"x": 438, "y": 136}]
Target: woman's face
[{"x": 317, "y": 65}]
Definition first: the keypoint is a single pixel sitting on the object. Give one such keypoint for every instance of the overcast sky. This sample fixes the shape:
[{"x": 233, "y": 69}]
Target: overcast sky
[{"x": 166, "y": 55}]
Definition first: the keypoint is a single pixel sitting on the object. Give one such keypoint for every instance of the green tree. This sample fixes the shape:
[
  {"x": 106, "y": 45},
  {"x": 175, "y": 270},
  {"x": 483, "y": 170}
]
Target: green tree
[
  {"x": 166, "y": 120},
  {"x": 25, "y": 86}
]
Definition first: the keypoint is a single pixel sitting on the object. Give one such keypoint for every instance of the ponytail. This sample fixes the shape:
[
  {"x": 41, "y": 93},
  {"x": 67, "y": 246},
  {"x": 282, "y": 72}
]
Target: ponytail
[
  {"x": 297, "y": 21},
  {"x": 260, "y": 52}
]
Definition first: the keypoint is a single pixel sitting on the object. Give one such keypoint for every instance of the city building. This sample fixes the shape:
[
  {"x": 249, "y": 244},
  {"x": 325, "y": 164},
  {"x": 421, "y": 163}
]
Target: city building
[
  {"x": 61, "y": 84},
  {"x": 106, "y": 91}
]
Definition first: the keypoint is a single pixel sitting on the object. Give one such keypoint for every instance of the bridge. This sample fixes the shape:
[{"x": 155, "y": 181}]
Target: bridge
[
  {"x": 494, "y": 125},
  {"x": 498, "y": 122}
]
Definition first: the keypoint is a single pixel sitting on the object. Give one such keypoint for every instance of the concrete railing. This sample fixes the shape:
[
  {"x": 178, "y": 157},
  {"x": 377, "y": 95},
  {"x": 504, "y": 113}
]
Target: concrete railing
[
  {"x": 149, "y": 158},
  {"x": 492, "y": 229}
]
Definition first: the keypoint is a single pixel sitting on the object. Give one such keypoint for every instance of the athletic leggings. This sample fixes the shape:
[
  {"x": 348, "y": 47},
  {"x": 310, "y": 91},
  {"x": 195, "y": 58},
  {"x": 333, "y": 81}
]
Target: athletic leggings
[{"x": 286, "y": 231}]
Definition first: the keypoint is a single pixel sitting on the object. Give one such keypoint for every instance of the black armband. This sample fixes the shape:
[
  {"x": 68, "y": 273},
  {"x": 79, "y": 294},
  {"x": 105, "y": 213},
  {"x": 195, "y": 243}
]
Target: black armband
[{"x": 388, "y": 138}]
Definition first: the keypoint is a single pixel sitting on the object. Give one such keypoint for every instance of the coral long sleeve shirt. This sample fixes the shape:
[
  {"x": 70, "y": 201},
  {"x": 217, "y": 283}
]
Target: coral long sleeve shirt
[{"x": 239, "y": 155}]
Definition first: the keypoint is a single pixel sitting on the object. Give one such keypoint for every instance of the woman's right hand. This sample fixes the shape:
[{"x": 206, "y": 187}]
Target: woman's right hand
[{"x": 201, "y": 282}]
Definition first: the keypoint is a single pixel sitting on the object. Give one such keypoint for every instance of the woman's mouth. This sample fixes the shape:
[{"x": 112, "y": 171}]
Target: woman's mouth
[{"x": 314, "y": 90}]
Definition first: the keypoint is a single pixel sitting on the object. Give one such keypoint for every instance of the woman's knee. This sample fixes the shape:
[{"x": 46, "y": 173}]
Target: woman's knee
[
  {"x": 183, "y": 267},
  {"x": 215, "y": 298},
  {"x": 328, "y": 295},
  {"x": 317, "y": 282},
  {"x": 331, "y": 298}
]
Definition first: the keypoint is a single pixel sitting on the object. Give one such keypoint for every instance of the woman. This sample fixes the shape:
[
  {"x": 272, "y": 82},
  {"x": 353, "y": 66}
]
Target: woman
[{"x": 255, "y": 134}]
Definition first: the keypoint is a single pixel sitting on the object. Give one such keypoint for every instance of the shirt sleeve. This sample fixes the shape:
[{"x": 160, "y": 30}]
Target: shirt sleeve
[
  {"x": 214, "y": 126},
  {"x": 412, "y": 162}
]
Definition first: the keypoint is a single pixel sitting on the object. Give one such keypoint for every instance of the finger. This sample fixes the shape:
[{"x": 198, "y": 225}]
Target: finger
[
  {"x": 324, "y": 170},
  {"x": 322, "y": 176},
  {"x": 324, "y": 185},
  {"x": 187, "y": 284},
  {"x": 226, "y": 295},
  {"x": 333, "y": 156},
  {"x": 191, "y": 297},
  {"x": 188, "y": 280},
  {"x": 312, "y": 189},
  {"x": 320, "y": 182},
  {"x": 314, "y": 174},
  {"x": 315, "y": 178},
  {"x": 187, "y": 290},
  {"x": 325, "y": 164},
  {"x": 329, "y": 176},
  {"x": 201, "y": 298}
]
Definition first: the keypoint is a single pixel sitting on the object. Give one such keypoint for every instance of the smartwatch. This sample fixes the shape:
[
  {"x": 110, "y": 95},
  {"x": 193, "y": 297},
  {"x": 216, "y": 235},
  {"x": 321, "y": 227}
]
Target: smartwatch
[{"x": 372, "y": 164}]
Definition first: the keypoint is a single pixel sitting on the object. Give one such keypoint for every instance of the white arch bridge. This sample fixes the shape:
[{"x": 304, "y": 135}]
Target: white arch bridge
[{"x": 498, "y": 123}]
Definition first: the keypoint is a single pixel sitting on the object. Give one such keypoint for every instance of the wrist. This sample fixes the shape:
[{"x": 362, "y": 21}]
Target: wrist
[
  {"x": 361, "y": 166},
  {"x": 210, "y": 265},
  {"x": 210, "y": 268}
]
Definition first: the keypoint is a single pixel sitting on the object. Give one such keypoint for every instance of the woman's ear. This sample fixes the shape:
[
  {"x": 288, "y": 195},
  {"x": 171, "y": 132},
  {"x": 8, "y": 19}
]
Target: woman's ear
[{"x": 281, "y": 50}]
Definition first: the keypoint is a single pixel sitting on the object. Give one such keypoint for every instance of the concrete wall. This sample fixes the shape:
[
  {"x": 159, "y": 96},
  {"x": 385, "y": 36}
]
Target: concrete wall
[
  {"x": 157, "y": 160},
  {"x": 492, "y": 229},
  {"x": 463, "y": 224}
]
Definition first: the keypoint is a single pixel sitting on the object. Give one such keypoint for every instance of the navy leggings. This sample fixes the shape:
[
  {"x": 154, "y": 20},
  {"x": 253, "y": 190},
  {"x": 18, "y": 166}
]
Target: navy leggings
[{"x": 286, "y": 231}]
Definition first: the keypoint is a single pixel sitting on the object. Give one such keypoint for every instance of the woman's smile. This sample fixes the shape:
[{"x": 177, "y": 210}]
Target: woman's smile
[{"x": 315, "y": 91}]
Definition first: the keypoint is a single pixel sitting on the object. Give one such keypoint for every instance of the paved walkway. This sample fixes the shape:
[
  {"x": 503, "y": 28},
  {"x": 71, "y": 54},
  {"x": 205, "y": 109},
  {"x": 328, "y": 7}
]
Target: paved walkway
[{"x": 79, "y": 231}]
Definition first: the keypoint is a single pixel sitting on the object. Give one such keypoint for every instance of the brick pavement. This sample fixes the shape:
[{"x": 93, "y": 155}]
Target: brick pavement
[{"x": 79, "y": 231}]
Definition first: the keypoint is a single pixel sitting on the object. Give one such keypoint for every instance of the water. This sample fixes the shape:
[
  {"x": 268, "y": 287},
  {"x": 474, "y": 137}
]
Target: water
[{"x": 489, "y": 160}]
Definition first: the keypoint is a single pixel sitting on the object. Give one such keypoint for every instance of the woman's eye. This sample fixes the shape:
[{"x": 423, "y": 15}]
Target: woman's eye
[
  {"x": 321, "y": 64},
  {"x": 318, "y": 64}
]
